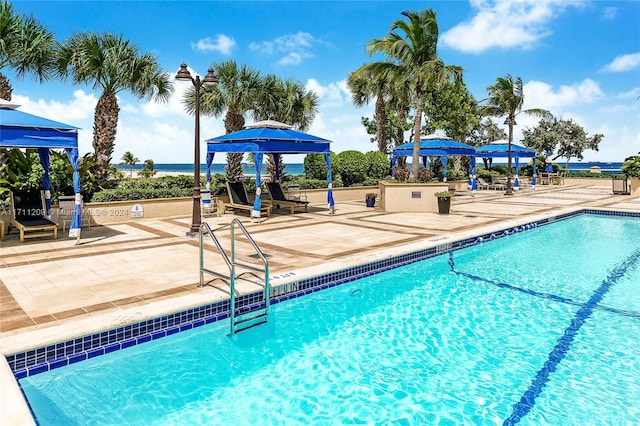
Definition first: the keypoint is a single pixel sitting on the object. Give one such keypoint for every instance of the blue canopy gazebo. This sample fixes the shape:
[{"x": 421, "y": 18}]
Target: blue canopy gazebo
[
  {"x": 21, "y": 130},
  {"x": 270, "y": 137},
  {"x": 500, "y": 149},
  {"x": 439, "y": 146}
]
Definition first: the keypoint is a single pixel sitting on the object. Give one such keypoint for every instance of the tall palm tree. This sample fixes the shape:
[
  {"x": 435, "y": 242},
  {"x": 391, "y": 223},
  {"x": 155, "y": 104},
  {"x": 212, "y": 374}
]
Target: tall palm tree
[
  {"x": 365, "y": 84},
  {"x": 286, "y": 101},
  {"x": 386, "y": 83},
  {"x": 416, "y": 57},
  {"x": 506, "y": 98},
  {"x": 235, "y": 95},
  {"x": 112, "y": 64},
  {"x": 26, "y": 46}
]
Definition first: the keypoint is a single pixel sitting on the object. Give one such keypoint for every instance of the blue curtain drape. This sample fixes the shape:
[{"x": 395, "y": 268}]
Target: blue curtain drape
[
  {"x": 209, "y": 162},
  {"x": 76, "y": 220},
  {"x": 516, "y": 182},
  {"x": 472, "y": 174},
  {"x": 43, "y": 153},
  {"x": 255, "y": 213},
  {"x": 327, "y": 160}
]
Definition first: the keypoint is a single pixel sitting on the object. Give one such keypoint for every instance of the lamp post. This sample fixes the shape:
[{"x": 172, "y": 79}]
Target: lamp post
[
  {"x": 511, "y": 121},
  {"x": 209, "y": 80}
]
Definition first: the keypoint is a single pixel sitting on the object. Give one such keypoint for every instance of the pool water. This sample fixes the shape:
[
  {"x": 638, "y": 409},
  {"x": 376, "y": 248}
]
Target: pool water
[{"x": 537, "y": 328}]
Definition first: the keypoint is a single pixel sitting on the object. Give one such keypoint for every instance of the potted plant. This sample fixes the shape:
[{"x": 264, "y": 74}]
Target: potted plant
[
  {"x": 370, "y": 199},
  {"x": 444, "y": 201}
]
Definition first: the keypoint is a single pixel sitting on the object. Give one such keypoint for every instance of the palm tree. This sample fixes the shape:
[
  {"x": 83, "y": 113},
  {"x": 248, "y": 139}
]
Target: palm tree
[
  {"x": 385, "y": 82},
  {"x": 417, "y": 60},
  {"x": 113, "y": 64},
  {"x": 506, "y": 98},
  {"x": 286, "y": 101},
  {"x": 130, "y": 160},
  {"x": 236, "y": 93},
  {"x": 26, "y": 46},
  {"x": 365, "y": 84}
]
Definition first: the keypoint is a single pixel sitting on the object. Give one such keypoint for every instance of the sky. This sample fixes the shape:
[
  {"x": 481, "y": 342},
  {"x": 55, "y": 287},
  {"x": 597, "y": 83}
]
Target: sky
[{"x": 578, "y": 59}]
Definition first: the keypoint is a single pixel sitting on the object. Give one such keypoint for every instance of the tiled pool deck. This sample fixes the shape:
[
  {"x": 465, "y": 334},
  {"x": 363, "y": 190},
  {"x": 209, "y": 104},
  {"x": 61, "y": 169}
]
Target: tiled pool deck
[{"x": 137, "y": 272}]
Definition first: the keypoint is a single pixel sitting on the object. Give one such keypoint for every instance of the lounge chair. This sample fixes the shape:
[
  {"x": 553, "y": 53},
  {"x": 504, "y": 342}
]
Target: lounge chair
[
  {"x": 29, "y": 215},
  {"x": 238, "y": 199},
  {"x": 67, "y": 205},
  {"x": 482, "y": 184},
  {"x": 293, "y": 193},
  {"x": 498, "y": 183},
  {"x": 279, "y": 198},
  {"x": 209, "y": 205}
]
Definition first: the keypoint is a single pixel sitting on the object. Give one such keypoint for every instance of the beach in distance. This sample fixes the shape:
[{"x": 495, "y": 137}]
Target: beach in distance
[{"x": 174, "y": 169}]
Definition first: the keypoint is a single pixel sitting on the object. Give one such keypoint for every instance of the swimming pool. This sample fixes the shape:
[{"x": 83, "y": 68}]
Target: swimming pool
[{"x": 539, "y": 327}]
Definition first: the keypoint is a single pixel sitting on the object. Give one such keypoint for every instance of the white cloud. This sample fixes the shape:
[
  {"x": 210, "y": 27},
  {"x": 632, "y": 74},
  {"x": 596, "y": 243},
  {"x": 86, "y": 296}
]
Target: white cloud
[
  {"x": 624, "y": 63},
  {"x": 538, "y": 94},
  {"x": 610, "y": 13},
  {"x": 631, "y": 94},
  {"x": 293, "y": 47},
  {"x": 220, "y": 43},
  {"x": 505, "y": 24},
  {"x": 332, "y": 95}
]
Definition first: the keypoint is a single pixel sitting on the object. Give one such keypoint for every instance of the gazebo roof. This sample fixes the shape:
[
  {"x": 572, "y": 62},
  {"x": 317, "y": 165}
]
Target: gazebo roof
[
  {"x": 436, "y": 145},
  {"x": 21, "y": 130},
  {"x": 268, "y": 137},
  {"x": 500, "y": 148}
]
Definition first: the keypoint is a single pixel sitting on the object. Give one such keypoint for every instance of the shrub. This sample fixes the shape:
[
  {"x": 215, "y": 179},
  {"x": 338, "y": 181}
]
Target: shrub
[
  {"x": 378, "y": 165},
  {"x": 315, "y": 166},
  {"x": 631, "y": 166},
  {"x": 351, "y": 166},
  {"x": 139, "y": 194}
]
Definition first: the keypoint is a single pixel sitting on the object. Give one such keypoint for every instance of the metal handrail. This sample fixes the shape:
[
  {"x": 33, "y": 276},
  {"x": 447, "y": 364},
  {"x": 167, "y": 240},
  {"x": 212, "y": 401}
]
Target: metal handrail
[{"x": 231, "y": 264}]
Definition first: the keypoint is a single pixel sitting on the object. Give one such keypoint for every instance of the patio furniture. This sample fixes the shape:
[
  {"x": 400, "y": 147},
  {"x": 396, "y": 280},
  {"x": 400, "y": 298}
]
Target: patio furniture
[
  {"x": 210, "y": 206},
  {"x": 238, "y": 199},
  {"x": 67, "y": 205},
  {"x": 278, "y": 197},
  {"x": 29, "y": 216}
]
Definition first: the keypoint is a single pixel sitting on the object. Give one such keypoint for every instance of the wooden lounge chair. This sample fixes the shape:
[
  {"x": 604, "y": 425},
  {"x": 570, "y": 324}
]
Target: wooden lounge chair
[
  {"x": 498, "y": 183},
  {"x": 29, "y": 216},
  {"x": 238, "y": 199},
  {"x": 279, "y": 198},
  {"x": 482, "y": 184}
]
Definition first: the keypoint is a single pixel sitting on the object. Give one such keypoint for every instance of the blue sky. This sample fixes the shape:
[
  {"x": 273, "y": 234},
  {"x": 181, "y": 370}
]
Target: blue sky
[{"x": 578, "y": 59}]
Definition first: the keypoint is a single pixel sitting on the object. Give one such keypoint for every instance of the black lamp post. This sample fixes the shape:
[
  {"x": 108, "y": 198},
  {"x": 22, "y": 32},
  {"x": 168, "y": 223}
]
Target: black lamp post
[
  {"x": 209, "y": 80},
  {"x": 511, "y": 121}
]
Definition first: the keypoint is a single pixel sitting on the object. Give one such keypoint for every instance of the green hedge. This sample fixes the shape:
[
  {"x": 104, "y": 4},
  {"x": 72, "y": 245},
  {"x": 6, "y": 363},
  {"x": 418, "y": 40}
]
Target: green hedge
[{"x": 109, "y": 195}]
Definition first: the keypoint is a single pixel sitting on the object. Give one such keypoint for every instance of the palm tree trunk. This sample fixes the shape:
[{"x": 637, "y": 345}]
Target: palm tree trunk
[
  {"x": 233, "y": 122},
  {"x": 415, "y": 158},
  {"x": 380, "y": 119},
  {"x": 104, "y": 133}
]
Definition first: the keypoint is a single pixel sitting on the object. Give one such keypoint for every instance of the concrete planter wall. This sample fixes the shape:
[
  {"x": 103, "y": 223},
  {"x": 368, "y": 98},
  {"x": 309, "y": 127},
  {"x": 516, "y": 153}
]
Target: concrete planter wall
[
  {"x": 410, "y": 197},
  {"x": 634, "y": 184}
]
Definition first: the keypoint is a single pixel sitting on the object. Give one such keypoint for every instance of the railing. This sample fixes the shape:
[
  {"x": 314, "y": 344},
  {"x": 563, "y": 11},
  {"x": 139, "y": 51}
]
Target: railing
[{"x": 239, "y": 321}]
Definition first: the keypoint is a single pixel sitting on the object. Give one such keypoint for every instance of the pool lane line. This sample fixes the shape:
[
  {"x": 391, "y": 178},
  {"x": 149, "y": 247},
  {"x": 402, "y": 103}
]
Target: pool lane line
[{"x": 558, "y": 353}]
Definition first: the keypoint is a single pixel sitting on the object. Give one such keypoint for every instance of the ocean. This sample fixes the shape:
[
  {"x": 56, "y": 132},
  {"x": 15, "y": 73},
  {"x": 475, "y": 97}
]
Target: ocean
[{"x": 298, "y": 168}]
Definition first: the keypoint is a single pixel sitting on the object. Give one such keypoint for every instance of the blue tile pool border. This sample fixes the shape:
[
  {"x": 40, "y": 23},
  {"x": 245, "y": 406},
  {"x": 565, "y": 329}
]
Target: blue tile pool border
[{"x": 39, "y": 360}]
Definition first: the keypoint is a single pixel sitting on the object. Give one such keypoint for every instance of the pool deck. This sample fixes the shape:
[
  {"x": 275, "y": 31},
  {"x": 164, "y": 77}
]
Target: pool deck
[{"x": 53, "y": 290}]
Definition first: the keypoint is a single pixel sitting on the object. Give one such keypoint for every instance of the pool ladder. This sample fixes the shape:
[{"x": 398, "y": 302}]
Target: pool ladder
[{"x": 239, "y": 320}]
